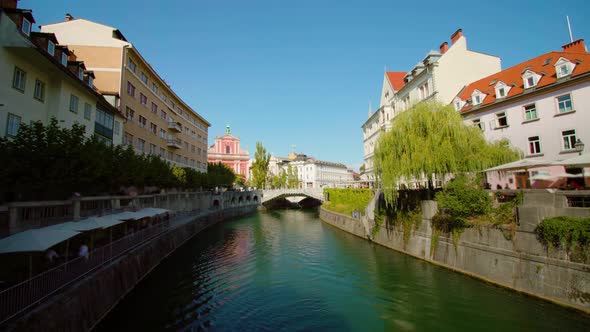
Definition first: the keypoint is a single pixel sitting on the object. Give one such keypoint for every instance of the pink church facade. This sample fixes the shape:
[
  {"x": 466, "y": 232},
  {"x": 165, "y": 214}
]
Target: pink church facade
[{"x": 226, "y": 150}]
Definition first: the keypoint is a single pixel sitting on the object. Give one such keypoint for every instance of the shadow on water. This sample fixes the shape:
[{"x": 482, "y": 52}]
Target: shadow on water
[{"x": 286, "y": 270}]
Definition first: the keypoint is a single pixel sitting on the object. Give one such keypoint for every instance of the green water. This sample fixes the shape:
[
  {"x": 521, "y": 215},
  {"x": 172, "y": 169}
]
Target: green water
[{"x": 288, "y": 271}]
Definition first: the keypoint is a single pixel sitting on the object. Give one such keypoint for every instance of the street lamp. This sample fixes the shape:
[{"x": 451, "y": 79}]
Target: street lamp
[{"x": 579, "y": 146}]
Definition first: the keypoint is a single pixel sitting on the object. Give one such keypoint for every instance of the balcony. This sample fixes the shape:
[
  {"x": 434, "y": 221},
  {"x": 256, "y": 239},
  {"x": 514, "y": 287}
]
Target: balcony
[
  {"x": 173, "y": 125},
  {"x": 174, "y": 143}
]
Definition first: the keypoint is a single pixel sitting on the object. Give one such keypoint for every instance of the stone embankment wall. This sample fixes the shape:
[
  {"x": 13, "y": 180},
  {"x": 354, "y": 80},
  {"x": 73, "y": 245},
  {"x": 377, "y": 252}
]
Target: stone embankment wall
[
  {"x": 510, "y": 258},
  {"x": 82, "y": 306}
]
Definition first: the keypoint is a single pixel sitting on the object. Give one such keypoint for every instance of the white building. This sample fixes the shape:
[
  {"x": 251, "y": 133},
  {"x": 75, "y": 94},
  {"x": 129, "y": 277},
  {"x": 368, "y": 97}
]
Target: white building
[
  {"x": 541, "y": 105},
  {"x": 44, "y": 80},
  {"x": 313, "y": 173},
  {"x": 440, "y": 76}
]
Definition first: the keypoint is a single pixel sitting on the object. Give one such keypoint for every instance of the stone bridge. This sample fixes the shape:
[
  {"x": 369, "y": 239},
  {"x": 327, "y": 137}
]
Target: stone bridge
[{"x": 269, "y": 195}]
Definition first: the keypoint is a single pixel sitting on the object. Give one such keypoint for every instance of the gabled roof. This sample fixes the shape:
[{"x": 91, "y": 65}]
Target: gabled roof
[
  {"x": 396, "y": 78},
  {"x": 543, "y": 65}
]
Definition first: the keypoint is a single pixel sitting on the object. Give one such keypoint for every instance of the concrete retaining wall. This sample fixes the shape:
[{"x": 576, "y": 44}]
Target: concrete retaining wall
[
  {"x": 82, "y": 306},
  {"x": 513, "y": 259}
]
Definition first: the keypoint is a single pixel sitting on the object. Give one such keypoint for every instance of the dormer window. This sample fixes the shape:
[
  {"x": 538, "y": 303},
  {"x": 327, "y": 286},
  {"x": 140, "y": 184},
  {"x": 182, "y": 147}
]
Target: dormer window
[
  {"x": 50, "y": 47},
  {"x": 564, "y": 67},
  {"x": 64, "y": 59},
  {"x": 90, "y": 81},
  {"x": 81, "y": 73},
  {"x": 458, "y": 103},
  {"x": 530, "y": 82},
  {"x": 477, "y": 97},
  {"x": 501, "y": 89},
  {"x": 26, "y": 27}
]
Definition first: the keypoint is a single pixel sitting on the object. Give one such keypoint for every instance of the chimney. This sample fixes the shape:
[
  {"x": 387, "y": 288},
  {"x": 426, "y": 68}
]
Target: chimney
[
  {"x": 69, "y": 17},
  {"x": 456, "y": 36},
  {"x": 11, "y": 4},
  {"x": 444, "y": 47},
  {"x": 575, "y": 47}
]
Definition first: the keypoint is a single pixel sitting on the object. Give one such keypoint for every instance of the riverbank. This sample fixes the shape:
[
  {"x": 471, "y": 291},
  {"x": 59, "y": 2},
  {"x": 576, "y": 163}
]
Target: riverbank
[
  {"x": 515, "y": 260},
  {"x": 81, "y": 306}
]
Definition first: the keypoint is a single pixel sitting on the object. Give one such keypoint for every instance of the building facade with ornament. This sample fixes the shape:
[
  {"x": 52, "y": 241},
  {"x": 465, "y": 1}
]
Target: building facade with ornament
[{"x": 226, "y": 150}]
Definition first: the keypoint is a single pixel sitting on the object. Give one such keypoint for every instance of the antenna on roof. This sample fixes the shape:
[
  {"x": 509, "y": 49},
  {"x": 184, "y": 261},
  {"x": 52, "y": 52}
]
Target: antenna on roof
[{"x": 569, "y": 27}]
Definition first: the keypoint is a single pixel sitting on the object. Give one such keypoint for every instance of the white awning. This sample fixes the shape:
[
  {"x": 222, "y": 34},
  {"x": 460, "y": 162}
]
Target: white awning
[
  {"x": 579, "y": 161},
  {"x": 31, "y": 240},
  {"x": 523, "y": 164}
]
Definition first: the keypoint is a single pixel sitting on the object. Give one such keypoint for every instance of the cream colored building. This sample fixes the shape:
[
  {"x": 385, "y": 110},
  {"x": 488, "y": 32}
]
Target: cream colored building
[
  {"x": 158, "y": 122},
  {"x": 44, "y": 80},
  {"x": 439, "y": 76}
]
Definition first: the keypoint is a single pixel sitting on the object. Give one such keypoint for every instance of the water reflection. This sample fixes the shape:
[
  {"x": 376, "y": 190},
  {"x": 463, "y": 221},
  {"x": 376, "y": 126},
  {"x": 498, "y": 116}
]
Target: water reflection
[{"x": 288, "y": 271}]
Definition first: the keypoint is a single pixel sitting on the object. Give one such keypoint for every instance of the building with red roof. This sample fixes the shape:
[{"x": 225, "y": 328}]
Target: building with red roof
[
  {"x": 541, "y": 105},
  {"x": 439, "y": 76}
]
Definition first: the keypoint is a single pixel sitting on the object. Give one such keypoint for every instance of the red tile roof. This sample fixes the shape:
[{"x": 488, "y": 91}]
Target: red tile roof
[
  {"x": 543, "y": 65},
  {"x": 396, "y": 78}
]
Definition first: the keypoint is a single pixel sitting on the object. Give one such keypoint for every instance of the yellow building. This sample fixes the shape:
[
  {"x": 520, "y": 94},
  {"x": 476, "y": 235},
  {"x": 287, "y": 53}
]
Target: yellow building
[
  {"x": 158, "y": 121},
  {"x": 44, "y": 80}
]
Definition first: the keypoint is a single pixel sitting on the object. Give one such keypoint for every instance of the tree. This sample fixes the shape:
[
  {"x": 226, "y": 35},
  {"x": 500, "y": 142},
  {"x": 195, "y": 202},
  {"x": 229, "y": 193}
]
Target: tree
[
  {"x": 260, "y": 166},
  {"x": 292, "y": 177},
  {"x": 431, "y": 138},
  {"x": 362, "y": 169}
]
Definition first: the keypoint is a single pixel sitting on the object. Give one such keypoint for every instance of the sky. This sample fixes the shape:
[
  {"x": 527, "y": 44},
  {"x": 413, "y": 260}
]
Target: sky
[{"x": 302, "y": 73}]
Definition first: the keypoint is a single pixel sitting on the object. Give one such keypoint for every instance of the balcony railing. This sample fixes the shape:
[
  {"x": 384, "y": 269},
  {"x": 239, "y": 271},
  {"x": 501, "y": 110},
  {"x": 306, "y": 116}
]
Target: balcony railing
[
  {"x": 174, "y": 143},
  {"x": 173, "y": 125}
]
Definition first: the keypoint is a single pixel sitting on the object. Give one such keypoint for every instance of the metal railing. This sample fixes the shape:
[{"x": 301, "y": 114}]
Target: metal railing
[{"x": 28, "y": 293}]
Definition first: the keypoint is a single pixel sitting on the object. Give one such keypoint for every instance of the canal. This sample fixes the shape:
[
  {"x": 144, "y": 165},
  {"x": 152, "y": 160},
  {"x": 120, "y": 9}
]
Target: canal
[{"x": 286, "y": 270}]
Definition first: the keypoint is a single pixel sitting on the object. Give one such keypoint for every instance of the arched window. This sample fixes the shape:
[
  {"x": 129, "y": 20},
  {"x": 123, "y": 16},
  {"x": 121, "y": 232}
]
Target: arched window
[{"x": 227, "y": 149}]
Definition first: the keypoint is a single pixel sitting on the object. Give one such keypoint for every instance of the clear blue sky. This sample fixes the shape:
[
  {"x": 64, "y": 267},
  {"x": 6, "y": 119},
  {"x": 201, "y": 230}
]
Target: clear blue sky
[{"x": 302, "y": 72}]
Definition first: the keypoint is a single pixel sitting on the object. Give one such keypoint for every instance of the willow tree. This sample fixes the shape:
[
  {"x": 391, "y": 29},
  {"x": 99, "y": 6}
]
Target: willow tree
[{"x": 431, "y": 138}]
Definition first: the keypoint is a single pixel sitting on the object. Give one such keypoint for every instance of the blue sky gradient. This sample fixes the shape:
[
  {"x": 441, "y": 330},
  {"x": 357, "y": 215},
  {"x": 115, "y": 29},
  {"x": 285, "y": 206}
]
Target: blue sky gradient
[{"x": 302, "y": 72}]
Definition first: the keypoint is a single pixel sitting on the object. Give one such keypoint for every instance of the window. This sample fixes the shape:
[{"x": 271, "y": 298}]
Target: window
[
  {"x": 130, "y": 114},
  {"x": 162, "y": 133},
  {"x": 501, "y": 92},
  {"x": 170, "y": 156},
  {"x": 117, "y": 128},
  {"x": 90, "y": 80},
  {"x": 64, "y": 59},
  {"x": 185, "y": 160},
  {"x": 153, "y": 128},
  {"x": 569, "y": 139},
  {"x": 424, "y": 91},
  {"x": 563, "y": 70},
  {"x": 12, "y": 125},
  {"x": 477, "y": 100},
  {"x": 457, "y": 105},
  {"x": 130, "y": 89},
  {"x": 154, "y": 108},
  {"x": 164, "y": 97},
  {"x": 162, "y": 153},
  {"x": 80, "y": 73},
  {"x": 39, "y": 92},
  {"x": 19, "y": 79},
  {"x": 155, "y": 88},
  {"x": 142, "y": 99},
  {"x": 26, "y": 27},
  {"x": 153, "y": 149},
  {"x": 178, "y": 158},
  {"x": 74, "y": 103},
  {"x": 163, "y": 114},
  {"x": 128, "y": 139},
  {"x": 192, "y": 148},
  {"x": 87, "y": 111},
  {"x": 564, "y": 103},
  {"x": 103, "y": 124},
  {"x": 131, "y": 65},
  {"x": 141, "y": 145},
  {"x": 199, "y": 151},
  {"x": 530, "y": 82},
  {"x": 185, "y": 145},
  {"x": 144, "y": 78},
  {"x": 478, "y": 123},
  {"x": 50, "y": 47},
  {"x": 142, "y": 122},
  {"x": 530, "y": 112},
  {"x": 501, "y": 119},
  {"x": 534, "y": 145}
]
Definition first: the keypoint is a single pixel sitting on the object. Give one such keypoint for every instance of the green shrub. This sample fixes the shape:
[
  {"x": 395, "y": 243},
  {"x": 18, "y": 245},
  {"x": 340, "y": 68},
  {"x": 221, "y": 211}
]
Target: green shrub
[
  {"x": 347, "y": 200},
  {"x": 564, "y": 232},
  {"x": 462, "y": 199}
]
